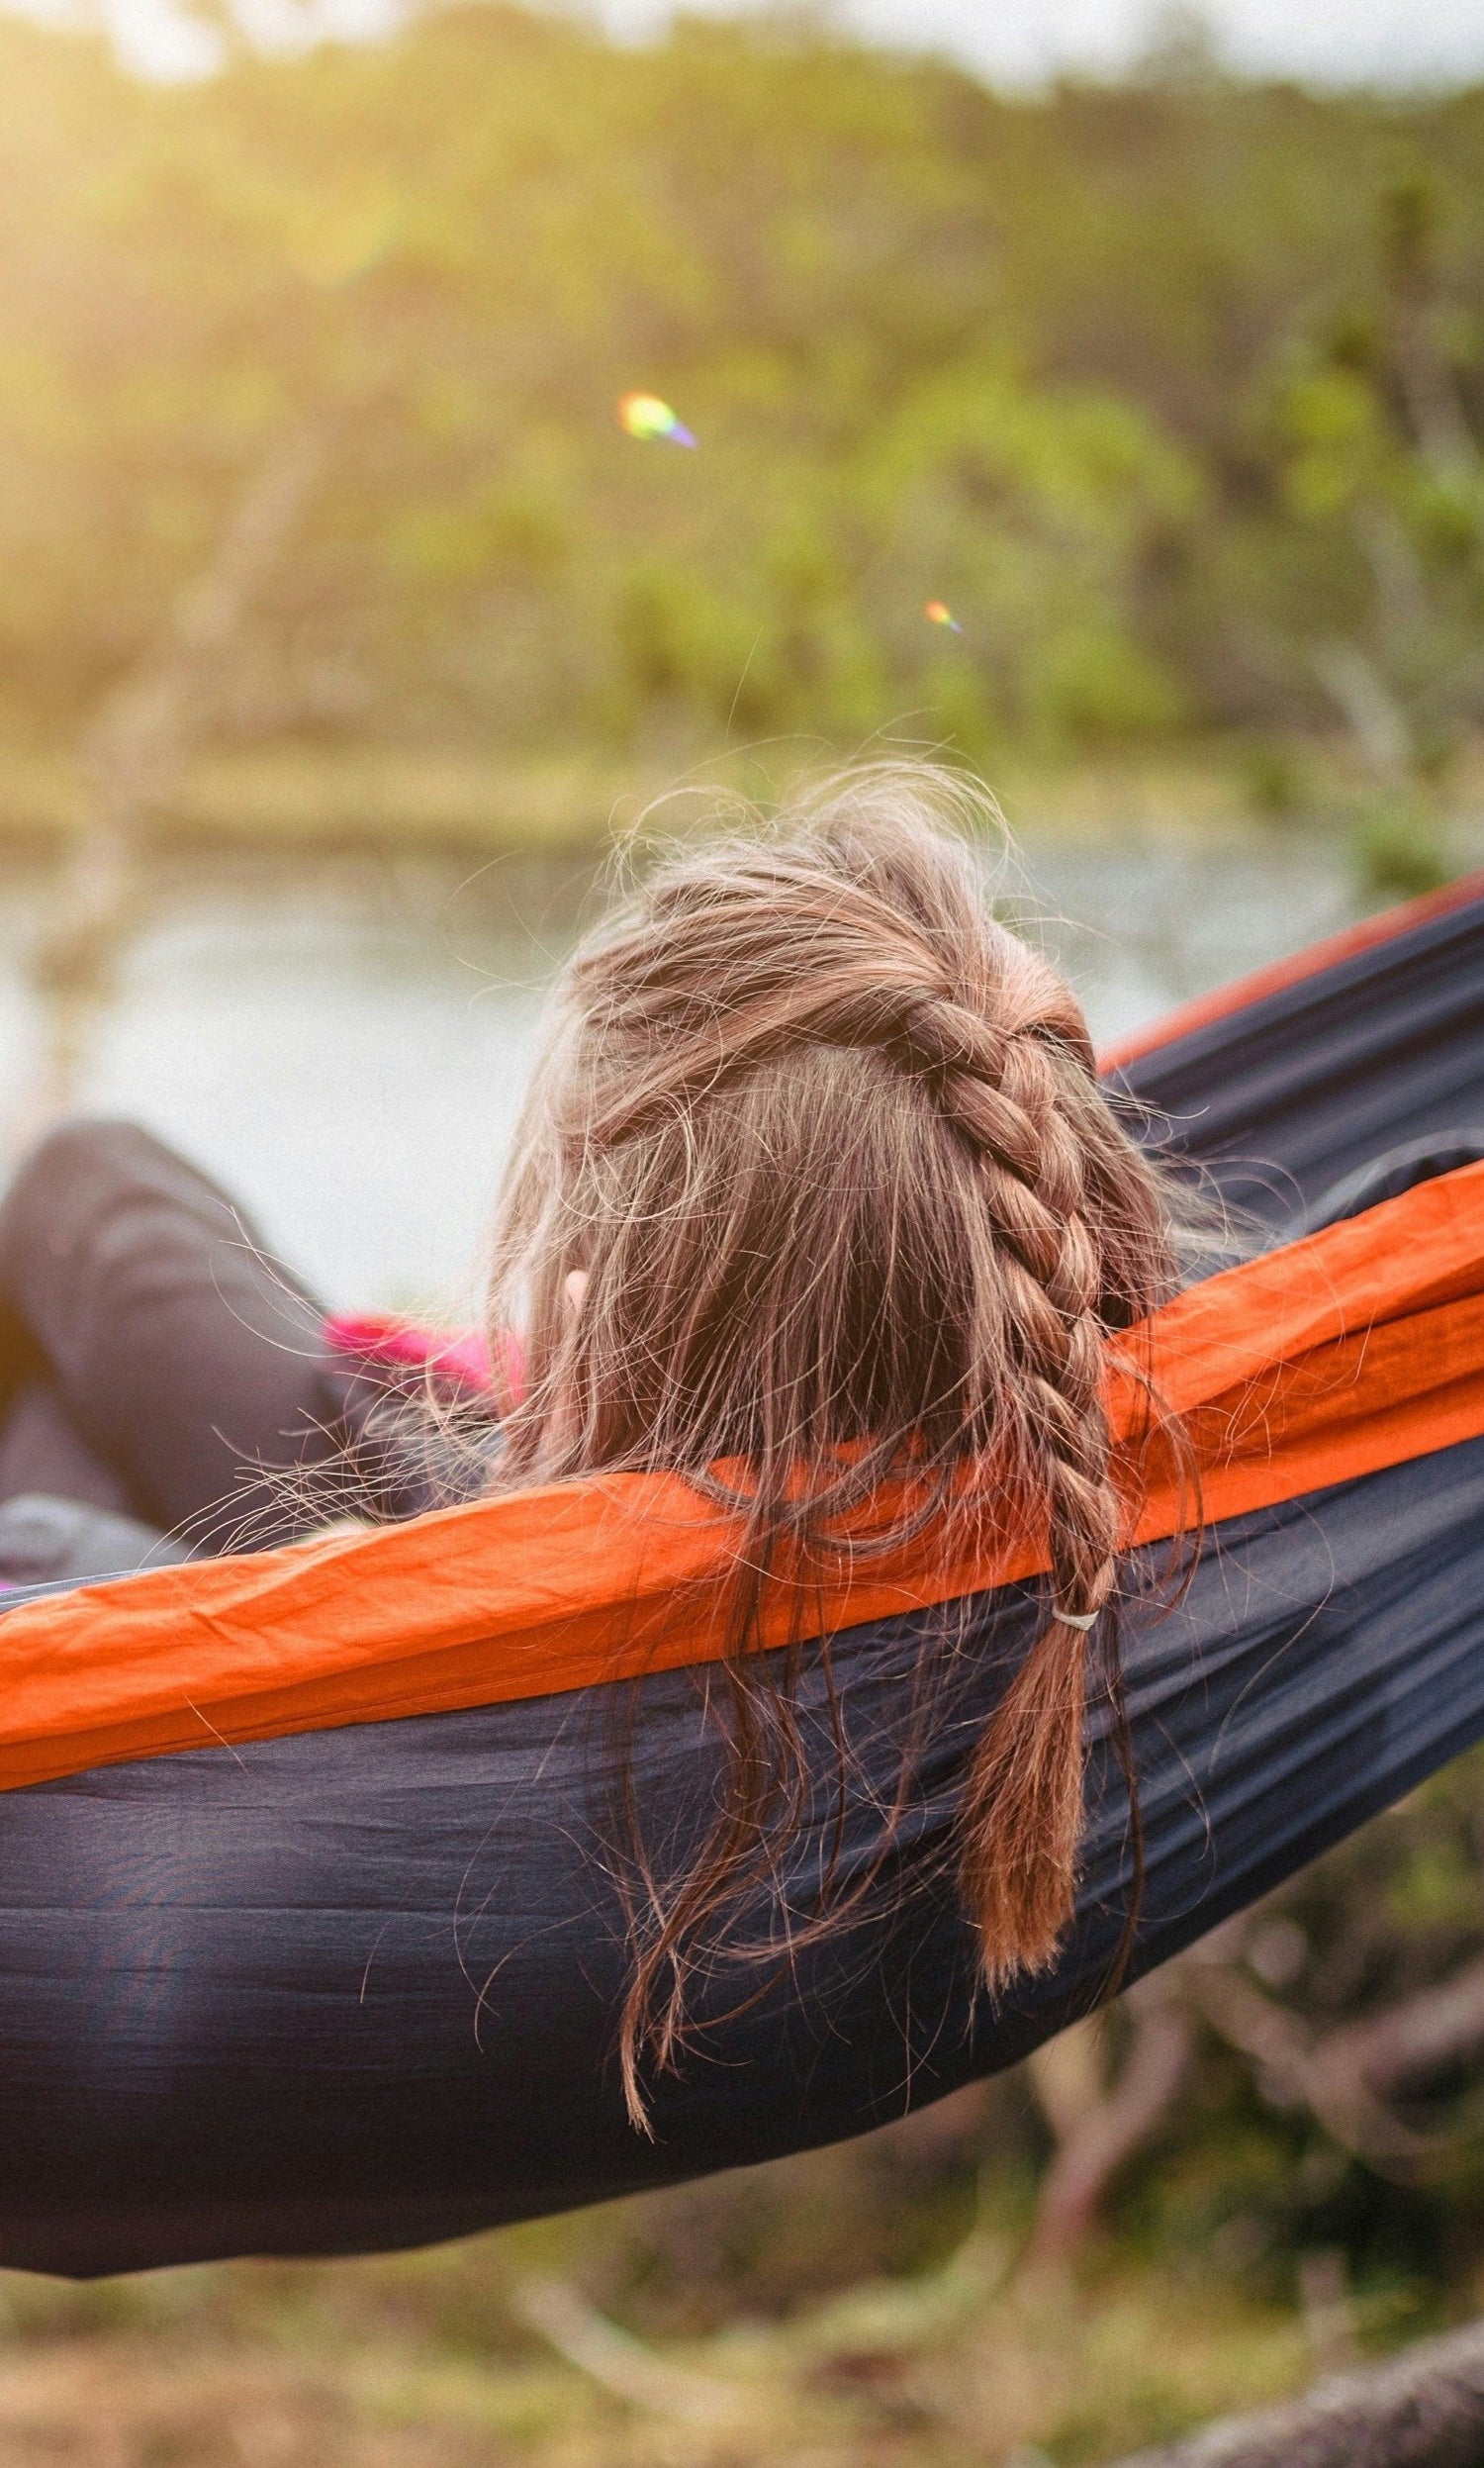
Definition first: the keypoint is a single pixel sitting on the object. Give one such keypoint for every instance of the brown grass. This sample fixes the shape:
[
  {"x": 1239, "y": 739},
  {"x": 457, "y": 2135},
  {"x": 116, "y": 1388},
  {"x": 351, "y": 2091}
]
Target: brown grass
[{"x": 432, "y": 2361}]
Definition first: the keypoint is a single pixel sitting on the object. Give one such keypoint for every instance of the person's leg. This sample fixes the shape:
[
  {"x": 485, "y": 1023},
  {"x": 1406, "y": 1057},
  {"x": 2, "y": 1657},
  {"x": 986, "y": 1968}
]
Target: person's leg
[
  {"x": 182, "y": 1361},
  {"x": 49, "y": 1542},
  {"x": 42, "y": 1449}
]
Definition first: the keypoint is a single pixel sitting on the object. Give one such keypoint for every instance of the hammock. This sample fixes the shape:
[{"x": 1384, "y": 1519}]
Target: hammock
[{"x": 310, "y": 1942}]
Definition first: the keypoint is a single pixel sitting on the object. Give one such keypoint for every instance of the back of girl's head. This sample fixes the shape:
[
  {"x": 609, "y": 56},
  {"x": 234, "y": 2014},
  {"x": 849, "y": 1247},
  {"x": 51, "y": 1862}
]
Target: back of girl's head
[{"x": 825, "y": 1140}]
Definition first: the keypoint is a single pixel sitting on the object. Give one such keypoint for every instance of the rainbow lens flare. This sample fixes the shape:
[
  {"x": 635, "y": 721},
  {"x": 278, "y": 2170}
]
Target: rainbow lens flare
[
  {"x": 937, "y": 613},
  {"x": 646, "y": 416}
]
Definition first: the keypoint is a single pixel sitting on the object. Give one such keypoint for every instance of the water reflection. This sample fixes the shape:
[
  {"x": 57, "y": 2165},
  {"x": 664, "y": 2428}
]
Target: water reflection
[{"x": 346, "y": 1040}]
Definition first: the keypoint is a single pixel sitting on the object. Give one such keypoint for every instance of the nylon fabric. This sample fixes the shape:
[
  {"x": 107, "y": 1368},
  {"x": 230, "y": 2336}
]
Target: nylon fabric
[
  {"x": 355, "y": 1987},
  {"x": 1354, "y": 1350},
  {"x": 1318, "y": 1068}
]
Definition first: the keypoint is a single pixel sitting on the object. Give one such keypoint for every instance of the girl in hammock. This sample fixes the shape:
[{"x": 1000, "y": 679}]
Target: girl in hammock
[{"x": 816, "y": 1201}]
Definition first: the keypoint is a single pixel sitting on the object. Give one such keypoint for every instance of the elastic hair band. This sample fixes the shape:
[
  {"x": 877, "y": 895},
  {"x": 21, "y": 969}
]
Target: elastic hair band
[{"x": 1077, "y": 1619}]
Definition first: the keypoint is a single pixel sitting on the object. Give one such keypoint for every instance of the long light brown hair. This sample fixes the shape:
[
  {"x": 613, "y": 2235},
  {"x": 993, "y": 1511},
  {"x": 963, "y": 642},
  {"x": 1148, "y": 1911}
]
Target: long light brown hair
[{"x": 826, "y": 1141}]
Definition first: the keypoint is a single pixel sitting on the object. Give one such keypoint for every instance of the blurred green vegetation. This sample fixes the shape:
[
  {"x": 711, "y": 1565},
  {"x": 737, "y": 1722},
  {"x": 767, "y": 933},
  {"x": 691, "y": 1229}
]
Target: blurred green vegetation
[{"x": 1171, "y": 389}]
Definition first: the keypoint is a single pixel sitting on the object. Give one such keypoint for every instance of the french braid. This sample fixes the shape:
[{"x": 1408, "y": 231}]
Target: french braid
[
  {"x": 1023, "y": 1802},
  {"x": 827, "y": 1144}
]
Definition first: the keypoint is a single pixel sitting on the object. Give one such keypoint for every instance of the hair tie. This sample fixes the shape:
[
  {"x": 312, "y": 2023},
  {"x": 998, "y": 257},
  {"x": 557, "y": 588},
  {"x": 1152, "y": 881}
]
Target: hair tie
[{"x": 1077, "y": 1619}]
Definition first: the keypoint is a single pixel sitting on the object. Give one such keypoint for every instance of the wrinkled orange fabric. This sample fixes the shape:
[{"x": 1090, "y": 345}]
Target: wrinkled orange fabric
[{"x": 1356, "y": 1349}]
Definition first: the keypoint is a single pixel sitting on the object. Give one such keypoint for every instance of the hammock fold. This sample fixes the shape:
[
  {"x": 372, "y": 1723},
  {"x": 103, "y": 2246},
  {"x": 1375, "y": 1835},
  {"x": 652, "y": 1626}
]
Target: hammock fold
[
  {"x": 310, "y": 1939},
  {"x": 1358, "y": 1349}
]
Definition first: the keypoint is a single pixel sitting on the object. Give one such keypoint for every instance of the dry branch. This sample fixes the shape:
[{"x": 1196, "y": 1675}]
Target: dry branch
[
  {"x": 1424, "y": 2409},
  {"x": 614, "y": 2359},
  {"x": 1096, "y": 2138},
  {"x": 1383, "y": 2054},
  {"x": 1348, "y": 2076}
]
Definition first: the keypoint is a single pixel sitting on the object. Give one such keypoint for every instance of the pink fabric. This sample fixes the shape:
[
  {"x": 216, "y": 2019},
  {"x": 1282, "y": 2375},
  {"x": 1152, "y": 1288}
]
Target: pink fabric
[{"x": 464, "y": 1361}]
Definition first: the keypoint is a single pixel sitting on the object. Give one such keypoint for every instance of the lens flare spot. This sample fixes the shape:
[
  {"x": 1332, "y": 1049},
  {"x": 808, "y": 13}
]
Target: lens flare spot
[
  {"x": 937, "y": 613},
  {"x": 646, "y": 416}
]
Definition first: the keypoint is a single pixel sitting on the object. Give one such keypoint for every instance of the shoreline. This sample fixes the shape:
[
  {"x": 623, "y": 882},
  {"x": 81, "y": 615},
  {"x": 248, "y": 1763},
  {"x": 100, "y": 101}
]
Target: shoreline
[{"x": 292, "y": 797}]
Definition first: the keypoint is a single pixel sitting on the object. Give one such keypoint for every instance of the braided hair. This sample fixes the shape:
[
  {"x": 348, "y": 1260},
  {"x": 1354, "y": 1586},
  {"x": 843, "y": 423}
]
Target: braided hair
[{"x": 853, "y": 1222}]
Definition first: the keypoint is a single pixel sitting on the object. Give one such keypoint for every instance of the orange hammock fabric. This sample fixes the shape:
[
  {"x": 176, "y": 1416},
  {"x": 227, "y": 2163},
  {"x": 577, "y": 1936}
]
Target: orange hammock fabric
[{"x": 1356, "y": 1349}]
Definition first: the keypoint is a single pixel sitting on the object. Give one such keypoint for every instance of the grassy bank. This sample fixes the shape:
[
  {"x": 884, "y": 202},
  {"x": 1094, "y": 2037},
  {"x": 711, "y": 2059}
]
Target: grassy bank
[
  {"x": 367, "y": 796},
  {"x": 440, "y": 2361}
]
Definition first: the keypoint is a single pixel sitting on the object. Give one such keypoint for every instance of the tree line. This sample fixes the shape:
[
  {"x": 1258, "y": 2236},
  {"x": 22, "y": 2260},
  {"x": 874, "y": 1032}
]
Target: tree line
[{"x": 1170, "y": 390}]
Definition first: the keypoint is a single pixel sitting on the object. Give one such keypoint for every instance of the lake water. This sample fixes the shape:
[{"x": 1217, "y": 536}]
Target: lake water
[{"x": 346, "y": 1041}]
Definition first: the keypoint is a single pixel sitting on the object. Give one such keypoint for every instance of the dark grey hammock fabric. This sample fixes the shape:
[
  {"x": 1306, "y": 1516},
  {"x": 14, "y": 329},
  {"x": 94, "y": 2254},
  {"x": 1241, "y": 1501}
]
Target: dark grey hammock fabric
[{"x": 357, "y": 1989}]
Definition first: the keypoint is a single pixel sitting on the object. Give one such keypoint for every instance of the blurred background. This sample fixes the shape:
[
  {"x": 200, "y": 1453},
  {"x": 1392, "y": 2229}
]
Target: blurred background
[{"x": 347, "y": 645}]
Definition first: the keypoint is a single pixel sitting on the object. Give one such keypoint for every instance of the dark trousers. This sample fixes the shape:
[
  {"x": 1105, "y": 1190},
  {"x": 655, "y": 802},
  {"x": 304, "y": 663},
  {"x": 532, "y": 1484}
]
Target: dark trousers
[{"x": 156, "y": 1360}]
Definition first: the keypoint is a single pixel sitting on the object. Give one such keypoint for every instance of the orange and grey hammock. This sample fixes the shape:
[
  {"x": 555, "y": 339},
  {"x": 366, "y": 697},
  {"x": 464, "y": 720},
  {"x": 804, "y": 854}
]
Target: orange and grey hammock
[{"x": 310, "y": 1935}]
